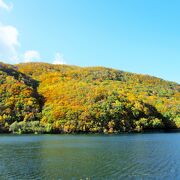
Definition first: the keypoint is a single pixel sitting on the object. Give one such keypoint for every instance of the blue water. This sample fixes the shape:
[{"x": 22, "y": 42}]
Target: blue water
[{"x": 134, "y": 156}]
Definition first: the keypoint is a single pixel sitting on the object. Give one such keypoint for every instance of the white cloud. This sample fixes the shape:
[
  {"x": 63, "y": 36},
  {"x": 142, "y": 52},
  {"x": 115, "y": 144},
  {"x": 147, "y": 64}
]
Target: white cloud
[
  {"x": 5, "y": 6},
  {"x": 8, "y": 38},
  {"x": 31, "y": 55},
  {"x": 8, "y": 42},
  {"x": 59, "y": 59}
]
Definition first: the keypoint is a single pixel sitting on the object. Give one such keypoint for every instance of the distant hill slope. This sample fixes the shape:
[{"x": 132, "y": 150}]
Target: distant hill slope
[
  {"x": 18, "y": 97},
  {"x": 41, "y": 97}
]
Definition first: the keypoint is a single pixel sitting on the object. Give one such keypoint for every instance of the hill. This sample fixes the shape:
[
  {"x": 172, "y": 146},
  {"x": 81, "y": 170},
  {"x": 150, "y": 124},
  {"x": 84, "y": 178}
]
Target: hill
[{"x": 41, "y": 97}]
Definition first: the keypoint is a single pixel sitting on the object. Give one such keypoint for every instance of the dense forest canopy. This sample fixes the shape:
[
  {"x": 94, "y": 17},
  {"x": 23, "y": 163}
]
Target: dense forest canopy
[{"x": 46, "y": 98}]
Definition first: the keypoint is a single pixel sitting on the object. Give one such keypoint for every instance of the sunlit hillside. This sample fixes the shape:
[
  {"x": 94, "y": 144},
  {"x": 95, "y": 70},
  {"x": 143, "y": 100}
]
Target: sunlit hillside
[{"x": 46, "y": 98}]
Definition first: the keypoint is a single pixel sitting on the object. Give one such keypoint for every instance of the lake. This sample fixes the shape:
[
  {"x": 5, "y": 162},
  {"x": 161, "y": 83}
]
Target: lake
[{"x": 126, "y": 156}]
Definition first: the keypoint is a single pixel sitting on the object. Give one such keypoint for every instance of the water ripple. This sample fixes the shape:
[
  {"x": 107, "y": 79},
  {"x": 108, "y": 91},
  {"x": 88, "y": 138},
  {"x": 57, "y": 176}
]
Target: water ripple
[{"x": 145, "y": 156}]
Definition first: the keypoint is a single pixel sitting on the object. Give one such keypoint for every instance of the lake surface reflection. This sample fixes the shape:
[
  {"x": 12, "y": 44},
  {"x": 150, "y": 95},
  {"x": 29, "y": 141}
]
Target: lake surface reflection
[{"x": 128, "y": 156}]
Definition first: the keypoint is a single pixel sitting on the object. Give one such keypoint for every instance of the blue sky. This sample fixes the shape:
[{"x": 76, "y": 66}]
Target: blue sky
[{"x": 141, "y": 36}]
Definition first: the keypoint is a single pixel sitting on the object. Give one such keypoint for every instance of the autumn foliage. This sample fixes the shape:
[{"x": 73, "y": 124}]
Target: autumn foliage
[{"x": 41, "y": 97}]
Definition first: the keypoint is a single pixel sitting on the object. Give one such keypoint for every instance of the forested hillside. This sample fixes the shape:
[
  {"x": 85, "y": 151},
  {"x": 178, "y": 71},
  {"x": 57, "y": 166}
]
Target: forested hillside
[{"x": 46, "y": 98}]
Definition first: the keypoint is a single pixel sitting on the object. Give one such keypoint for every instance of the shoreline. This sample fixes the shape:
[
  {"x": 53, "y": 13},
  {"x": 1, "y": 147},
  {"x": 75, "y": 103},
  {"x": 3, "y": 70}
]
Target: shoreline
[{"x": 98, "y": 133}]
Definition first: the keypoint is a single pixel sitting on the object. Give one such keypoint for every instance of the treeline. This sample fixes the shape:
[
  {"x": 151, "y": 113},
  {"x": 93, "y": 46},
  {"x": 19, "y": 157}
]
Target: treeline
[{"x": 46, "y": 98}]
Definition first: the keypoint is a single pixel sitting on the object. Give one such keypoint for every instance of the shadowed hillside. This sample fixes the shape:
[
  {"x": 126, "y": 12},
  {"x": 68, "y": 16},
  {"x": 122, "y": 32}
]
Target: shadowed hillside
[
  {"x": 41, "y": 97},
  {"x": 19, "y": 100}
]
